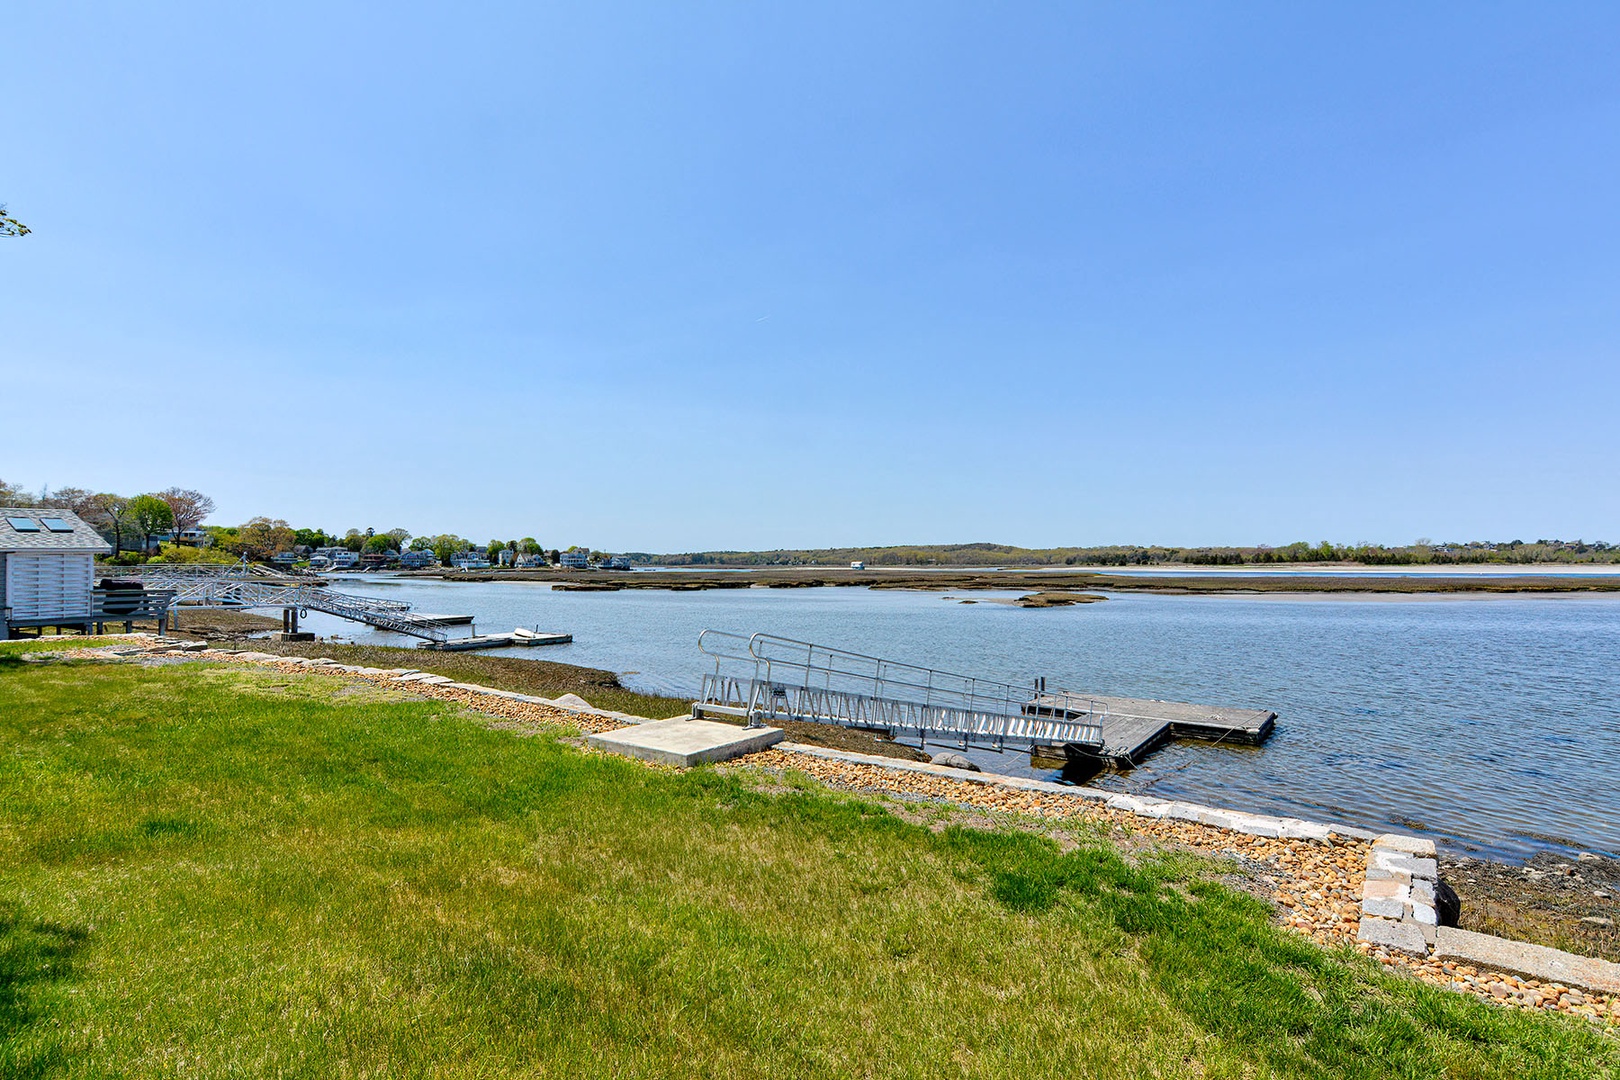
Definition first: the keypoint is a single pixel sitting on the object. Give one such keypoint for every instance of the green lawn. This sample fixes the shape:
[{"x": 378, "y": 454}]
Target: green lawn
[{"x": 216, "y": 871}]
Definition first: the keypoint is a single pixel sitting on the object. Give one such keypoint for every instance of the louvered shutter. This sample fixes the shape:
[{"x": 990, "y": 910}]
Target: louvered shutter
[{"x": 49, "y": 586}]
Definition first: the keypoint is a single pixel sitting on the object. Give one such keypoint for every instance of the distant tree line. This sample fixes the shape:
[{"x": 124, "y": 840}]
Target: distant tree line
[
  {"x": 131, "y": 522},
  {"x": 1423, "y": 552},
  {"x": 122, "y": 519}
]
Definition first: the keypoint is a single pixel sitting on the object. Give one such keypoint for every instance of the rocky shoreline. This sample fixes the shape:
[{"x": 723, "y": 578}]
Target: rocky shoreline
[{"x": 1564, "y": 903}]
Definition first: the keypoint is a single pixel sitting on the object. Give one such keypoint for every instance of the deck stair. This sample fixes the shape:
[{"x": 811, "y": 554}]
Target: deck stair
[{"x": 767, "y": 678}]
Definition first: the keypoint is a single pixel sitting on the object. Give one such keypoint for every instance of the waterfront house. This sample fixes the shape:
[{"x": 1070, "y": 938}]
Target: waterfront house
[
  {"x": 335, "y": 558},
  {"x": 575, "y": 560},
  {"x": 416, "y": 560},
  {"x": 47, "y": 569}
]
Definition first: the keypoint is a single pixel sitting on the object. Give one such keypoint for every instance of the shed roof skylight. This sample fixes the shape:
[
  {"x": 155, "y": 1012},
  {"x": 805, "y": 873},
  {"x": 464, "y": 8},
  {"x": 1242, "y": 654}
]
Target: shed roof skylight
[
  {"x": 23, "y": 524},
  {"x": 56, "y": 524}
]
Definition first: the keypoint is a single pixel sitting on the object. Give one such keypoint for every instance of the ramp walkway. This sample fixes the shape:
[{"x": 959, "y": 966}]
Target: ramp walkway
[
  {"x": 240, "y": 586},
  {"x": 768, "y": 678}
]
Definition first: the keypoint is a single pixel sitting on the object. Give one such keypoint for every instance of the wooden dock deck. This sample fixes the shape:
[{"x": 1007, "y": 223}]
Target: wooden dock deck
[{"x": 1132, "y": 728}]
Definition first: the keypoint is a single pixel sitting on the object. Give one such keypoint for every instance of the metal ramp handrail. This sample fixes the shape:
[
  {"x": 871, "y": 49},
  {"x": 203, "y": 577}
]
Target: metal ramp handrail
[
  {"x": 236, "y": 591},
  {"x": 773, "y": 677}
]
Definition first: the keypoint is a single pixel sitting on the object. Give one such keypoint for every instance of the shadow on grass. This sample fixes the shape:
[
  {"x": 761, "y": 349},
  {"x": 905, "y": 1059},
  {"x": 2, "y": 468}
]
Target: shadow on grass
[{"x": 33, "y": 954}]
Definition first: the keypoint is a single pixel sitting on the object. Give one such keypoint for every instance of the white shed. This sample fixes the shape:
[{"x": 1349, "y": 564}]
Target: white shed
[{"x": 47, "y": 568}]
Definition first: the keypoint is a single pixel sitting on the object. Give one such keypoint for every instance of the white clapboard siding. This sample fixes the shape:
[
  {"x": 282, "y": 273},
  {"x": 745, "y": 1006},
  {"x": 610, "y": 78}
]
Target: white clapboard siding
[{"x": 49, "y": 586}]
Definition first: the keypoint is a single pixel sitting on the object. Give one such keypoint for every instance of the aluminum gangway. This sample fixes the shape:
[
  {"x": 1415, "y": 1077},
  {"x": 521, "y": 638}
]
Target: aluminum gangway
[
  {"x": 764, "y": 678},
  {"x": 239, "y": 585}
]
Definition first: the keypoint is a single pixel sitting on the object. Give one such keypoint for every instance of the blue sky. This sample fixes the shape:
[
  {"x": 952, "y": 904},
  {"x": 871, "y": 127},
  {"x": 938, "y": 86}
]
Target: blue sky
[{"x": 658, "y": 278}]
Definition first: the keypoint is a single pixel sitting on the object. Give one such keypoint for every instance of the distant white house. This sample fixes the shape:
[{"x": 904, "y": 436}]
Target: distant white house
[
  {"x": 618, "y": 562},
  {"x": 574, "y": 560},
  {"x": 197, "y": 538},
  {"x": 47, "y": 568},
  {"x": 334, "y": 558}
]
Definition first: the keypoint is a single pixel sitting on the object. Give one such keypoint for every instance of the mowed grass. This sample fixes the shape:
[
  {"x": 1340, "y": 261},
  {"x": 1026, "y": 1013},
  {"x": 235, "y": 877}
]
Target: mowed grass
[{"x": 217, "y": 871}]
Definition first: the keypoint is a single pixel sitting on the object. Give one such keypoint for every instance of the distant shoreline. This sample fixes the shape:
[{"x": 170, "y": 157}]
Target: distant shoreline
[{"x": 1050, "y": 581}]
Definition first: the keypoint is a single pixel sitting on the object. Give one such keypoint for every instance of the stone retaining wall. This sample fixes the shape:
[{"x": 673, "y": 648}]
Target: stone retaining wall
[{"x": 1398, "y": 909}]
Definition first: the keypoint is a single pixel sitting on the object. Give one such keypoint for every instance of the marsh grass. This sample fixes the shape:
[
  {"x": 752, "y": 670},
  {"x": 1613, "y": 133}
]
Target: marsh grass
[
  {"x": 216, "y": 871},
  {"x": 524, "y": 675}
]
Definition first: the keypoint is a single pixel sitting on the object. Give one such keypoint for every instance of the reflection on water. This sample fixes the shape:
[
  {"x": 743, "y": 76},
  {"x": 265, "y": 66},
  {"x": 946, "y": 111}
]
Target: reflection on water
[{"x": 1489, "y": 723}]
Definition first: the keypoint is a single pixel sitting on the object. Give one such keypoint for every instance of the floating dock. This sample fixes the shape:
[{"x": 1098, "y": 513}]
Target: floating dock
[
  {"x": 526, "y": 638},
  {"x": 1132, "y": 728}
]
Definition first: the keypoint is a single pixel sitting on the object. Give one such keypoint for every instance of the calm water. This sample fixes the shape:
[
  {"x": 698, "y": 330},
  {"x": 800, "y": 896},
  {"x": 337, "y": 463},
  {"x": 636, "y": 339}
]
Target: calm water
[{"x": 1488, "y": 723}]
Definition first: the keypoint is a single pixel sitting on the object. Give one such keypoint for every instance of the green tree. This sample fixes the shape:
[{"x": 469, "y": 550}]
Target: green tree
[
  {"x": 380, "y": 544},
  {"x": 150, "y": 515},
  {"x": 110, "y": 513},
  {"x": 189, "y": 508},
  {"x": 529, "y": 546},
  {"x": 10, "y": 226},
  {"x": 263, "y": 537}
]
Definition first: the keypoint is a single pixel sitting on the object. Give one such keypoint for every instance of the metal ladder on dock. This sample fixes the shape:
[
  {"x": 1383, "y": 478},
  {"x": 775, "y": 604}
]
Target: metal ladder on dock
[{"x": 765, "y": 677}]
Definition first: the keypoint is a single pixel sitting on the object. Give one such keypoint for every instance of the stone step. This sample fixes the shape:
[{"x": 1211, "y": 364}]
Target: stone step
[{"x": 1527, "y": 961}]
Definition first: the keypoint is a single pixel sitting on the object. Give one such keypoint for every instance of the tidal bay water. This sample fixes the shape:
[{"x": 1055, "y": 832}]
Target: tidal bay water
[{"x": 1490, "y": 723}]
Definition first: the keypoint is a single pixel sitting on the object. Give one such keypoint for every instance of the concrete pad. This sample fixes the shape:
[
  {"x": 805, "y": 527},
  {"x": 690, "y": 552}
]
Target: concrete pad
[
  {"x": 685, "y": 743},
  {"x": 1527, "y": 961}
]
